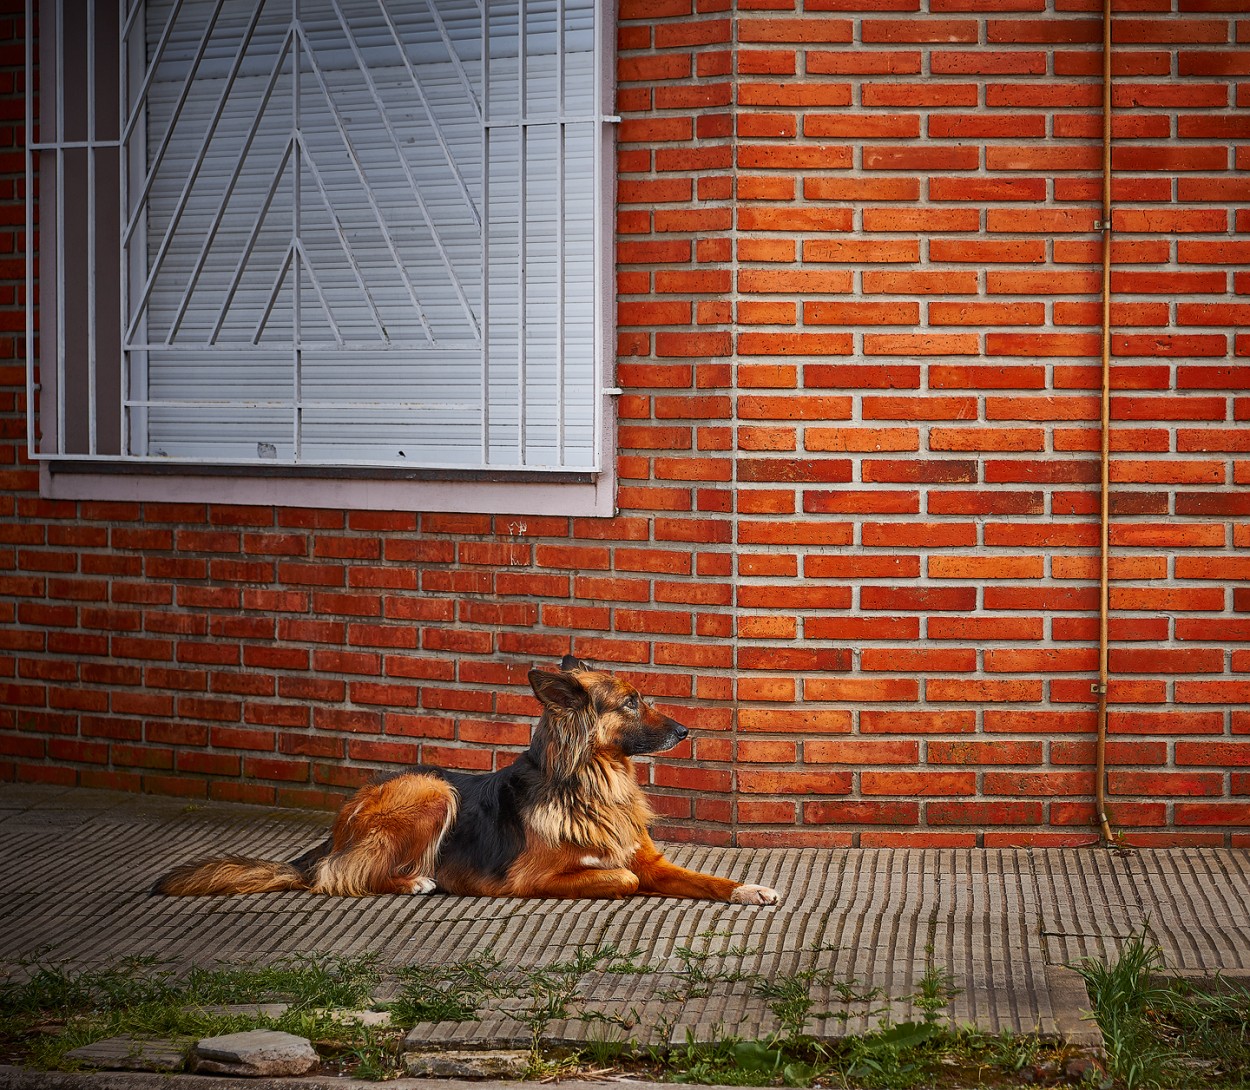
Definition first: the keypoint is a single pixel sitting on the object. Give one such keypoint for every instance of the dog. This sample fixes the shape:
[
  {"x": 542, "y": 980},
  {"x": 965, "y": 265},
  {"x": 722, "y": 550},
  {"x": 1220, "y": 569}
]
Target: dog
[{"x": 566, "y": 819}]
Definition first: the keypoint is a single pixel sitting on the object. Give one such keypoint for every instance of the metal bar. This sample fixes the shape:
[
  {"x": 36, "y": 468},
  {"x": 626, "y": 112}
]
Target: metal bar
[
  {"x": 308, "y": 344},
  {"x": 131, "y": 158},
  {"x": 168, "y": 134},
  {"x": 522, "y": 239},
  {"x": 425, "y": 102},
  {"x": 154, "y": 266},
  {"x": 450, "y": 46},
  {"x": 316, "y": 402},
  {"x": 219, "y": 216},
  {"x": 152, "y": 65},
  {"x": 1104, "y": 527},
  {"x": 315, "y": 282},
  {"x": 251, "y": 245},
  {"x": 60, "y": 236},
  {"x": 484, "y": 48},
  {"x": 93, "y": 439},
  {"x": 296, "y": 224},
  {"x": 125, "y": 25},
  {"x": 73, "y": 144},
  {"x": 561, "y": 181},
  {"x": 31, "y": 435},
  {"x": 274, "y": 292},
  {"x": 601, "y": 228},
  {"x": 345, "y": 243},
  {"x": 123, "y": 82},
  {"x": 368, "y": 190},
  {"x": 560, "y": 119},
  {"x": 383, "y": 113}
]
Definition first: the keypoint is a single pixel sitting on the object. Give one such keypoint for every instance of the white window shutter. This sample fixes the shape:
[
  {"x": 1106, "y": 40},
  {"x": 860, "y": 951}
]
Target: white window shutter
[{"x": 351, "y": 242}]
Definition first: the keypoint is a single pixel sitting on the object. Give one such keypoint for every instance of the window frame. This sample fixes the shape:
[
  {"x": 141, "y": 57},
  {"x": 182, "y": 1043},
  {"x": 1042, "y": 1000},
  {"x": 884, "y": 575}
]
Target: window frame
[{"x": 89, "y": 474}]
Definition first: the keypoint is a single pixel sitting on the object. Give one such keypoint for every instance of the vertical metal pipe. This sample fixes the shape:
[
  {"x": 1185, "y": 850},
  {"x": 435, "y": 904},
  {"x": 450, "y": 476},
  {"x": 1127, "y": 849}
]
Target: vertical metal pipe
[{"x": 1104, "y": 539}]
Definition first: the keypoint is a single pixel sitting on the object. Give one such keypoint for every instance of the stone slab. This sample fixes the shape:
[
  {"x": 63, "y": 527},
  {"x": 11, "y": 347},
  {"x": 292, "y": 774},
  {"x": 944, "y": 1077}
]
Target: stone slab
[
  {"x": 468, "y": 1064},
  {"x": 129, "y": 1053},
  {"x": 255, "y": 1053}
]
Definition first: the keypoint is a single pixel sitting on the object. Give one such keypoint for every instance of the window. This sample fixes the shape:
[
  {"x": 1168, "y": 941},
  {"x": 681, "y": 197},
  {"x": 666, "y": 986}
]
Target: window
[{"x": 365, "y": 239}]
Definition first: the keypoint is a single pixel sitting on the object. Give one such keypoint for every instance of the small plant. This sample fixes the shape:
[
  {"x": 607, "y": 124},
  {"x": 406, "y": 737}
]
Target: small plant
[
  {"x": 1122, "y": 993},
  {"x": 448, "y": 993},
  {"x": 934, "y": 993},
  {"x": 715, "y": 1063},
  {"x": 891, "y": 1057},
  {"x": 697, "y": 971},
  {"x": 142, "y": 998},
  {"x": 370, "y": 1055},
  {"x": 550, "y": 991},
  {"x": 1158, "y": 1032}
]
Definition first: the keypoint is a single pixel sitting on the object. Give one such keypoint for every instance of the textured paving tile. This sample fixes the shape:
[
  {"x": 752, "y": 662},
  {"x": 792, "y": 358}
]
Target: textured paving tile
[
  {"x": 1193, "y": 902},
  {"x": 128, "y": 1053},
  {"x": 866, "y": 926}
]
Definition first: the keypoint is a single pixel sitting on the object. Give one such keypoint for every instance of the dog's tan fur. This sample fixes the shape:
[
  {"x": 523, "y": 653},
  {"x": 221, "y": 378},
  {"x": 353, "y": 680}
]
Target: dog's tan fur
[{"x": 569, "y": 819}]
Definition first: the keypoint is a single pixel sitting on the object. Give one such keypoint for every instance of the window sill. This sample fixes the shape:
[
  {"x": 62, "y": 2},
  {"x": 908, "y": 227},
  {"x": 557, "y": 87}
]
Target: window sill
[{"x": 504, "y": 492}]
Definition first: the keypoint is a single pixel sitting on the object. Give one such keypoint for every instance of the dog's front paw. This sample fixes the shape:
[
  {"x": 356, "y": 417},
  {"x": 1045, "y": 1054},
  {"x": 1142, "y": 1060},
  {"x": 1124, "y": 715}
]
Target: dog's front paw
[
  {"x": 421, "y": 885},
  {"x": 754, "y": 895}
]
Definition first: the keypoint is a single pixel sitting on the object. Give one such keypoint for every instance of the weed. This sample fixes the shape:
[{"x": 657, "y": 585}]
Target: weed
[
  {"x": 716, "y": 1062},
  {"x": 1122, "y": 993},
  {"x": 143, "y": 998},
  {"x": 1212, "y": 1025},
  {"x": 698, "y": 973},
  {"x": 1158, "y": 1031},
  {"x": 935, "y": 992},
  {"x": 367, "y": 1054},
  {"x": 550, "y": 991},
  {"x": 448, "y": 993}
]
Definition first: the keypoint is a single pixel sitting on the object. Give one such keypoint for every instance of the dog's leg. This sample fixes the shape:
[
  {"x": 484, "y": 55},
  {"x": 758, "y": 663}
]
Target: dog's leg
[
  {"x": 658, "y": 877},
  {"x": 386, "y": 839},
  {"x": 590, "y": 882}
]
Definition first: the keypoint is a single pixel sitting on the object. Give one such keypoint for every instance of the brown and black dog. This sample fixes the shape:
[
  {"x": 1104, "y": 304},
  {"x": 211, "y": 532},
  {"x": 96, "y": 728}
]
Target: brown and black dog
[{"x": 567, "y": 819}]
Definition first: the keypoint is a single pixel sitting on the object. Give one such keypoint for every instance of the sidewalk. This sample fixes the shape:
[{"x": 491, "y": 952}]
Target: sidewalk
[{"x": 76, "y": 865}]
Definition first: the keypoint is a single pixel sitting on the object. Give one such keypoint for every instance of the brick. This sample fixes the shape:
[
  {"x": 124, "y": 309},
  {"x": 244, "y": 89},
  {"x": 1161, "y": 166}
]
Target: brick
[
  {"x": 985, "y": 813},
  {"x": 920, "y": 30},
  {"x": 803, "y": 226},
  {"x": 921, "y": 784},
  {"x": 803, "y": 721},
  {"x": 855, "y": 752},
  {"x": 861, "y": 813},
  {"x": 779, "y": 781}
]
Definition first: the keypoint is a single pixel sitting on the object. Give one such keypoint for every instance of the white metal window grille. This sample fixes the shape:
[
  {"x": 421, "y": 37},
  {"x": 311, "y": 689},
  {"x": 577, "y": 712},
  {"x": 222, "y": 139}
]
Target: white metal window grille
[{"x": 322, "y": 232}]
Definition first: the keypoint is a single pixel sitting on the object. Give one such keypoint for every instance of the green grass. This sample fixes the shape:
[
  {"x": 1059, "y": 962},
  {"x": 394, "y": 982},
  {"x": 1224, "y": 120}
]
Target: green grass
[
  {"x": 54, "y": 1010},
  {"x": 1159, "y": 1032},
  {"x": 449, "y": 993},
  {"x": 1162, "y": 1031}
]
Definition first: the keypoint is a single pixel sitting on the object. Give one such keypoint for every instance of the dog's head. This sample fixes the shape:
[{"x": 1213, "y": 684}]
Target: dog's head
[{"x": 588, "y": 711}]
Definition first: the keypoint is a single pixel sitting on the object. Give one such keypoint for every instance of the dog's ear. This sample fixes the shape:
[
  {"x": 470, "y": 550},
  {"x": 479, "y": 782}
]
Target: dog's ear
[
  {"x": 569, "y": 663},
  {"x": 559, "y": 691}
]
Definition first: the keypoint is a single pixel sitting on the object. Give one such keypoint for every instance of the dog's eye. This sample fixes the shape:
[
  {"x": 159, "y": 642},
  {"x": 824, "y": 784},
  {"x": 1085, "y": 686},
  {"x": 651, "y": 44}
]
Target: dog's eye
[{"x": 631, "y": 705}]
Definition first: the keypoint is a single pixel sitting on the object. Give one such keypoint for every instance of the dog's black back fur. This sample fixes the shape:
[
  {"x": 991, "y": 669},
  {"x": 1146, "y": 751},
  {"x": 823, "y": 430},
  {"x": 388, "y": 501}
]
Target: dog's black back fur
[{"x": 489, "y": 832}]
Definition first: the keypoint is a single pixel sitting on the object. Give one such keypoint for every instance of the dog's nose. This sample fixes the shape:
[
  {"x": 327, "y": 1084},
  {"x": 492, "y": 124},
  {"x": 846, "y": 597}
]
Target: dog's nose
[{"x": 679, "y": 730}]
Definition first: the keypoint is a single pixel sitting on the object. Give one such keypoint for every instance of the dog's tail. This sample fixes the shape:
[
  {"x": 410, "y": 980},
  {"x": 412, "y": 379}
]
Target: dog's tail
[{"x": 230, "y": 874}]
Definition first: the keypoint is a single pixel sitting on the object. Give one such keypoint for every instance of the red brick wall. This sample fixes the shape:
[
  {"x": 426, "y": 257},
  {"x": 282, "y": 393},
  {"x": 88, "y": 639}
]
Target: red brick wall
[{"x": 858, "y": 337}]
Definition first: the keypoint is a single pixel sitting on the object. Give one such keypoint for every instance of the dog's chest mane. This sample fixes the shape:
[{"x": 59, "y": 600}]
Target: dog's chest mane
[{"x": 602, "y": 813}]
